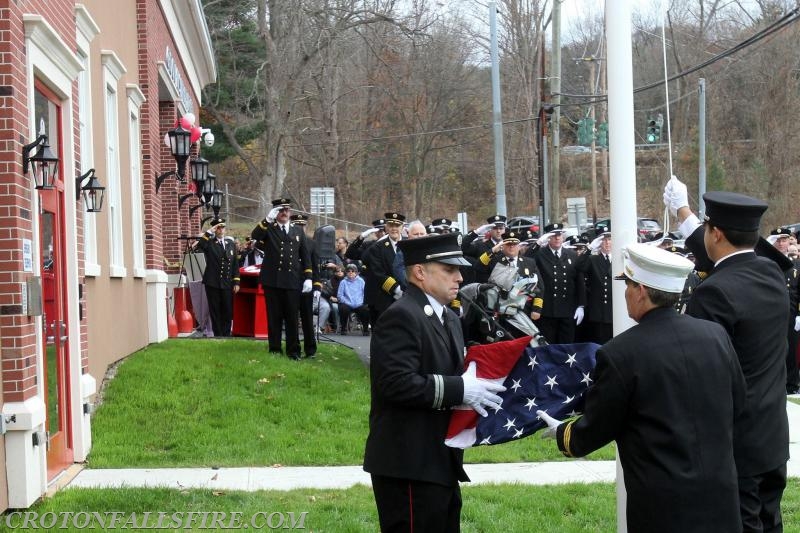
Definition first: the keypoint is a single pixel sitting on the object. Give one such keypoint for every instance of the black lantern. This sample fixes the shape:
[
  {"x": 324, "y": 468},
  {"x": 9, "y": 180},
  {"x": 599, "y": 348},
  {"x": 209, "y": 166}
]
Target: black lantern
[
  {"x": 199, "y": 171},
  {"x": 216, "y": 201},
  {"x": 179, "y": 145},
  {"x": 44, "y": 163},
  {"x": 93, "y": 192},
  {"x": 209, "y": 186}
]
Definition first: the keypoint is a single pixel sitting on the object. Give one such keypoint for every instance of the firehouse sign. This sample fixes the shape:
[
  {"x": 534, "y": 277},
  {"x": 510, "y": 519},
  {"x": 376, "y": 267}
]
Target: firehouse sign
[
  {"x": 27, "y": 255},
  {"x": 174, "y": 74}
]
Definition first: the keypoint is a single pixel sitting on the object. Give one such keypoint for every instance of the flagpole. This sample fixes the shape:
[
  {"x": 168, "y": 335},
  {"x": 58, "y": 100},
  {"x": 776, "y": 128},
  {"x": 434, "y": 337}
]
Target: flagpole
[{"x": 622, "y": 173}]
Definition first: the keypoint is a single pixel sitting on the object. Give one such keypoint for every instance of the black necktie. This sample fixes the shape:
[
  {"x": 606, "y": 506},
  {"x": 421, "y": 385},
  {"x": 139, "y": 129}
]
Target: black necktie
[
  {"x": 285, "y": 232},
  {"x": 555, "y": 253}
]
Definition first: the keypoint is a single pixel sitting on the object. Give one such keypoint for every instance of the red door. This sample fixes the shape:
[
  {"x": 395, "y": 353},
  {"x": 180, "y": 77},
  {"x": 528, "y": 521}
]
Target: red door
[{"x": 55, "y": 319}]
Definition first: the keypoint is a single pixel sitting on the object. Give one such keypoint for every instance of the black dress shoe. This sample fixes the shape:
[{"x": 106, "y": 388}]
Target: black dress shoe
[
  {"x": 294, "y": 357},
  {"x": 311, "y": 355}
]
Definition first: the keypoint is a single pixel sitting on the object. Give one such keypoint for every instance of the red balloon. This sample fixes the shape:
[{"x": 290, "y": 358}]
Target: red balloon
[
  {"x": 196, "y": 133},
  {"x": 186, "y": 123}
]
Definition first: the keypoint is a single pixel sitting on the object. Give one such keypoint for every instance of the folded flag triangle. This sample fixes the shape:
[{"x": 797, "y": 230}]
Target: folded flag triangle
[{"x": 550, "y": 378}]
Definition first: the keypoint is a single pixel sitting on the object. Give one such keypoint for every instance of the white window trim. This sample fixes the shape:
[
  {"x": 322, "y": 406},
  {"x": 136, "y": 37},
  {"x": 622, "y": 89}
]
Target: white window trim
[
  {"x": 113, "y": 69},
  {"x": 135, "y": 100},
  {"x": 87, "y": 31}
]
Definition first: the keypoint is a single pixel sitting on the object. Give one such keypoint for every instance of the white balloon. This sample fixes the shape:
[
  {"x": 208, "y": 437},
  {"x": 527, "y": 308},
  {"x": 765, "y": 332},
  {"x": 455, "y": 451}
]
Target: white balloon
[
  {"x": 166, "y": 139},
  {"x": 190, "y": 117}
]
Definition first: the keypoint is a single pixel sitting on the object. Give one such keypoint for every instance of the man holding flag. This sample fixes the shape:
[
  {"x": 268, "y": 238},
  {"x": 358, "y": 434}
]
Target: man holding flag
[
  {"x": 417, "y": 377},
  {"x": 667, "y": 391}
]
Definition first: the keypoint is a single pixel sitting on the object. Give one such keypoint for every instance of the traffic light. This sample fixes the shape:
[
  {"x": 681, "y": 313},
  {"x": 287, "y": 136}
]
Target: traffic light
[
  {"x": 654, "y": 129},
  {"x": 585, "y": 131},
  {"x": 602, "y": 134}
]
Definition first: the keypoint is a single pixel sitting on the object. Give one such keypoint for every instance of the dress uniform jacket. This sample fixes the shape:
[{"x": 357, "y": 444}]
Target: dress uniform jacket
[
  {"x": 222, "y": 265},
  {"x": 415, "y": 377},
  {"x": 746, "y": 294},
  {"x": 598, "y": 285},
  {"x": 287, "y": 257},
  {"x": 668, "y": 391},
  {"x": 564, "y": 284},
  {"x": 379, "y": 275}
]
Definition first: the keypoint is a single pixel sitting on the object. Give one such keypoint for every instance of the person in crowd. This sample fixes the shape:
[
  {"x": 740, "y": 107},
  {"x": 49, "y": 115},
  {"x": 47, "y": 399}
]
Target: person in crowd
[
  {"x": 565, "y": 298},
  {"x": 596, "y": 268},
  {"x": 252, "y": 255},
  {"x": 416, "y": 377},
  {"x": 382, "y": 288},
  {"x": 416, "y": 229},
  {"x": 507, "y": 253},
  {"x": 792, "y": 276},
  {"x": 221, "y": 276},
  {"x": 360, "y": 245},
  {"x": 667, "y": 391},
  {"x": 285, "y": 274},
  {"x": 746, "y": 294},
  {"x": 309, "y": 300},
  {"x": 329, "y": 303},
  {"x": 350, "y": 296},
  {"x": 441, "y": 225},
  {"x": 478, "y": 248}
]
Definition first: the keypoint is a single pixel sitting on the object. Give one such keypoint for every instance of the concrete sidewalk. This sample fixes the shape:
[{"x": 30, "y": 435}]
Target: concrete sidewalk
[{"x": 339, "y": 477}]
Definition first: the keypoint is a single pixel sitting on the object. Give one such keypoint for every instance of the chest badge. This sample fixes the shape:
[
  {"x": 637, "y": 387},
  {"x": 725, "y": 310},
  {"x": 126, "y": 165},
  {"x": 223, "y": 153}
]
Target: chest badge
[{"x": 428, "y": 310}]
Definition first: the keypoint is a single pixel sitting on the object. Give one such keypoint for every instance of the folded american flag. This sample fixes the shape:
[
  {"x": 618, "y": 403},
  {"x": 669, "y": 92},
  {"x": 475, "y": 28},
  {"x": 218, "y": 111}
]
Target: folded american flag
[{"x": 551, "y": 378}]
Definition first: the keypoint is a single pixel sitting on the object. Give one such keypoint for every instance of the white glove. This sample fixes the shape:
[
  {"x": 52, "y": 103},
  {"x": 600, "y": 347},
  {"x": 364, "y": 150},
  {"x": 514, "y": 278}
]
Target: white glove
[
  {"x": 772, "y": 239},
  {"x": 306, "y": 286},
  {"x": 675, "y": 195},
  {"x": 483, "y": 229},
  {"x": 397, "y": 293},
  {"x": 317, "y": 294},
  {"x": 797, "y": 323},
  {"x": 272, "y": 214},
  {"x": 367, "y": 233},
  {"x": 595, "y": 244},
  {"x": 578, "y": 316},
  {"x": 544, "y": 240},
  {"x": 315, "y": 301},
  {"x": 480, "y": 392},
  {"x": 552, "y": 424}
]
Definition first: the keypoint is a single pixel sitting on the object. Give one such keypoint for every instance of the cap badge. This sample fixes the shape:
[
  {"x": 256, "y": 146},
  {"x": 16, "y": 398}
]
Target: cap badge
[
  {"x": 428, "y": 310},
  {"x": 458, "y": 239}
]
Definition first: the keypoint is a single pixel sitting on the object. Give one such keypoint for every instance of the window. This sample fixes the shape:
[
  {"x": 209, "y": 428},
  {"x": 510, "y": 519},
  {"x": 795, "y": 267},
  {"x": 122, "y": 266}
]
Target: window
[
  {"x": 91, "y": 267},
  {"x": 135, "y": 100},
  {"x": 113, "y": 71}
]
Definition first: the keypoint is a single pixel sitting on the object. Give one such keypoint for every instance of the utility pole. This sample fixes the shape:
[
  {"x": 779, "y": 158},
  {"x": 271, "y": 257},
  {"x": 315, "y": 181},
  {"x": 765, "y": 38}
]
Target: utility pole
[
  {"x": 701, "y": 141},
  {"x": 497, "y": 115},
  {"x": 555, "y": 92},
  {"x": 593, "y": 91},
  {"x": 604, "y": 119}
]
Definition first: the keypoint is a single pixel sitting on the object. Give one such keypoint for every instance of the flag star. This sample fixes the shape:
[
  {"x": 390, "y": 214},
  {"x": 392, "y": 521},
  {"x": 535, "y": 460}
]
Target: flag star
[
  {"x": 586, "y": 379},
  {"x": 516, "y": 384},
  {"x": 571, "y": 359},
  {"x": 551, "y": 382},
  {"x": 510, "y": 423},
  {"x": 517, "y": 434},
  {"x": 497, "y": 409},
  {"x": 573, "y": 413},
  {"x": 532, "y": 362},
  {"x": 487, "y": 440},
  {"x": 569, "y": 399},
  {"x": 531, "y": 403}
]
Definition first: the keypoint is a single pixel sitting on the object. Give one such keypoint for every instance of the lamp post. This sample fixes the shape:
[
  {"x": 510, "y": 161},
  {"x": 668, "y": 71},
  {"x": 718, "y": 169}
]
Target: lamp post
[
  {"x": 180, "y": 145},
  {"x": 44, "y": 163}
]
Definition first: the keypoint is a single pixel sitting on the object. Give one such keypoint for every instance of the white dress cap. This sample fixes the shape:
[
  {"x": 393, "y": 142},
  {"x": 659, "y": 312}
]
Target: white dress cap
[{"x": 654, "y": 267}]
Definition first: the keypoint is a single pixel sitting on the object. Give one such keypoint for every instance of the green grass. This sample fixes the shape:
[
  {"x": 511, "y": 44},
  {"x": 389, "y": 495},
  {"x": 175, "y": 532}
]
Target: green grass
[
  {"x": 195, "y": 402},
  {"x": 568, "y": 508},
  {"x": 794, "y": 400}
]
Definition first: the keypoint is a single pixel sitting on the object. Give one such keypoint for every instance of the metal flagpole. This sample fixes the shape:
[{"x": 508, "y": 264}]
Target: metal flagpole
[{"x": 622, "y": 171}]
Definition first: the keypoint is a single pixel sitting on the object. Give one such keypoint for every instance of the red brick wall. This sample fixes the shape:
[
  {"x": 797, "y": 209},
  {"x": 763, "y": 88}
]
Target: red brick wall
[
  {"x": 163, "y": 223},
  {"x": 17, "y": 332}
]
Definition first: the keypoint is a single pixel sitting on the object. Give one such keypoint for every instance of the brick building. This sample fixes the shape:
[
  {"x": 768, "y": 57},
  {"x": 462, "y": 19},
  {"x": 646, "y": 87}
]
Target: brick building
[{"x": 104, "y": 81}]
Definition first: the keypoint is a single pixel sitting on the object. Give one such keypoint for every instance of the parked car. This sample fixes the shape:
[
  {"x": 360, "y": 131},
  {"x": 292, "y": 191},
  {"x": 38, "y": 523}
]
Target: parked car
[
  {"x": 522, "y": 223},
  {"x": 647, "y": 229}
]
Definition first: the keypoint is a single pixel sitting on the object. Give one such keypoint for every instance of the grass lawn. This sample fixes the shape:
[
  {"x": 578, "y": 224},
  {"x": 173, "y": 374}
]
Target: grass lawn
[
  {"x": 205, "y": 402},
  {"x": 487, "y": 508}
]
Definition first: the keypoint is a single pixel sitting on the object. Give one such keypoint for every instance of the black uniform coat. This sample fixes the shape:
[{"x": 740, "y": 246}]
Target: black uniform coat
[
  {"x": 746, "y": 295},
  {"x": 287, "y": 257},
  {"x": 222, "y": 265},
  {"x": 667, "y": 390},
  {"x": 379, "y": 274},
  {"x": 415, "y": 376},
  {"x": 564, "y": 284},
  {"x": 598, "y": 283}
]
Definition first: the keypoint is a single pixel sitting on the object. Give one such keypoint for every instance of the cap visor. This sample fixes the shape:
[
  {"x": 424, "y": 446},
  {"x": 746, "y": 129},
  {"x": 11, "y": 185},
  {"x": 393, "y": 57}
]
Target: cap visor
[
  {"x": 621, "y": 277},
  {"x": 458, "y": 261}
]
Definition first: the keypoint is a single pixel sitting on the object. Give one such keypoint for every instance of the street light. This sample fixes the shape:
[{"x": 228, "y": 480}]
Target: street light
[
  {"x": 93, "y": 192},
  {"x": 179, "y": 145},
  {"x": 44, "y": 163}
]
